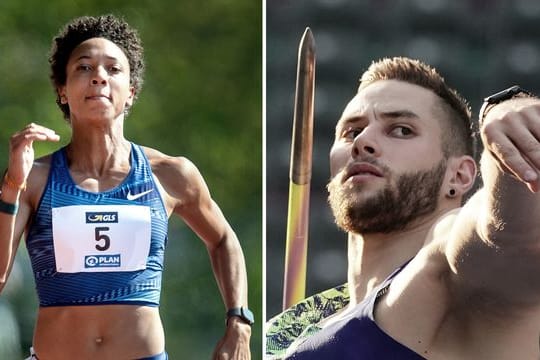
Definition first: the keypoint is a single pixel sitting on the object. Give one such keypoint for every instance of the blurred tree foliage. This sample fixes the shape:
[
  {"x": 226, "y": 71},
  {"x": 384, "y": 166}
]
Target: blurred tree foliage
[{"x": 202, "y": 98}]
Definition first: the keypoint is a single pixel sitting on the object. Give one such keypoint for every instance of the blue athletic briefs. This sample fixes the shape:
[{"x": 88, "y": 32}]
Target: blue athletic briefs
[{"x": 140, "y": 287}]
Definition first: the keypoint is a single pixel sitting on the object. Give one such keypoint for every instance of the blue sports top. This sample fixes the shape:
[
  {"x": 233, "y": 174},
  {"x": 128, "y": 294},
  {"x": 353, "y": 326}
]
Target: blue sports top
[
  {"x": 96, "y": 235},
  {"x": 356, "y": 336}
]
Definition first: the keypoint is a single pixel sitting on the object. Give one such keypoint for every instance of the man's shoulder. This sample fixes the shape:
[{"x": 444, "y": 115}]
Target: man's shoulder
[{"x": 442, "y": 227}]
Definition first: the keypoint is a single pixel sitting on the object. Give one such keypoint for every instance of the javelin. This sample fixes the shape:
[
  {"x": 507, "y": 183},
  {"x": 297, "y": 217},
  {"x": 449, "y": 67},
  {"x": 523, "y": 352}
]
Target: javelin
[{"x": 294, "y": 287}]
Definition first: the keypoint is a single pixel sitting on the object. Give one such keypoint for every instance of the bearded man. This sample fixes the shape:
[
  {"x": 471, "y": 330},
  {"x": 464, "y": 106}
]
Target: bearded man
[{"x": 427, "y": 277}]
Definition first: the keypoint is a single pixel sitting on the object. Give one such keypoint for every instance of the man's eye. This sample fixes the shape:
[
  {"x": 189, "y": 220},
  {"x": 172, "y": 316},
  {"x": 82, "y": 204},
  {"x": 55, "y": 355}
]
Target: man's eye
[
  {"x": 401, "y": 131},
  {"x": 351, "y": 133}
]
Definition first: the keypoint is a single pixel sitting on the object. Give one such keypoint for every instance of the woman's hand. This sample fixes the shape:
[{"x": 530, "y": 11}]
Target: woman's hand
[
  {"x": 235, "y": 344},
  {"x": 21, "y": 150}
]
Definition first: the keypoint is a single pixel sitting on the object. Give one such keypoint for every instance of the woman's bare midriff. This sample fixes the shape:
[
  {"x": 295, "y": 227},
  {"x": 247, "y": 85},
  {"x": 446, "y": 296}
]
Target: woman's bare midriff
[{"x": 98, "y": 332}]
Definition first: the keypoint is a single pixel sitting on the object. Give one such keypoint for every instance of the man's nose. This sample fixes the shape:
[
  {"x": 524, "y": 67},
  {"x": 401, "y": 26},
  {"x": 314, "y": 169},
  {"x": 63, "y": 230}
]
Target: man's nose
[{"x": 366, "y": 142}]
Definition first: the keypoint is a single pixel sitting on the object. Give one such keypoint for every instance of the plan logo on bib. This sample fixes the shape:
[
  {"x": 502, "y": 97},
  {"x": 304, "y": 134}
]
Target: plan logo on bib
[{"x": 101, "y": 261}]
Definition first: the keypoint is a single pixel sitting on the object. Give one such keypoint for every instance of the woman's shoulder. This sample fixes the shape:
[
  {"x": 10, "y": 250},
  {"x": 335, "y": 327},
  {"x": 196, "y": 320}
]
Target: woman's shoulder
[
  {"x": 163, "y": 163},
  {"x": 177, "y": 174}
]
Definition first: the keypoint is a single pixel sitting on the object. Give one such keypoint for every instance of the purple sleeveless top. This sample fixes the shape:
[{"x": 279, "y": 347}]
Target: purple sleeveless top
[{"x": 357, "y": 337}]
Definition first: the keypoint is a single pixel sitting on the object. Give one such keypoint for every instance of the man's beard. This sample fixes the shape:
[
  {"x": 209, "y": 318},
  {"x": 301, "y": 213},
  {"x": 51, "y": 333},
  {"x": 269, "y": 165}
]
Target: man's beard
[{"x": 392, "y": 208}]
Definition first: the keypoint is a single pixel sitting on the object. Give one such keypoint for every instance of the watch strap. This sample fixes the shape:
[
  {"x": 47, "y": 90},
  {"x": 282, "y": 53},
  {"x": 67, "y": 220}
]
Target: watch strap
[
  {"x": 243, "y": 313},
  {"x": 506, "y": 94}
]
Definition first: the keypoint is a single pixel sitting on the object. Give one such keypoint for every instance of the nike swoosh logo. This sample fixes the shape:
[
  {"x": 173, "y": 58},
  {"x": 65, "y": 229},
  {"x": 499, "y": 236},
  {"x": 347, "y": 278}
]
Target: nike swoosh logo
[{"x": 131, "y": 196}]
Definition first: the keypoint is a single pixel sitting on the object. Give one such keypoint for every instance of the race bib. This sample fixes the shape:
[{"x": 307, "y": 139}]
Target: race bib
[{"x": 97, "y": 238}]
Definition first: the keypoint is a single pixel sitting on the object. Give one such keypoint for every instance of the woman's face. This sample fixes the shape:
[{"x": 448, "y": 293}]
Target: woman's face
[{"x": 97, "y": 82}]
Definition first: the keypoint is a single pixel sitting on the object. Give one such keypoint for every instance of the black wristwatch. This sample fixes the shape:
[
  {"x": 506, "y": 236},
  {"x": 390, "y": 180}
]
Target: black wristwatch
[
  {"x": 243, "y": 313},
  {"x": 499, "y": 97}
]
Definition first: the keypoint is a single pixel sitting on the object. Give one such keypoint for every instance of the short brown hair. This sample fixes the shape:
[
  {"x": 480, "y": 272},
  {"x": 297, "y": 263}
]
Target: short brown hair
[{"x": 457, "y": 134}]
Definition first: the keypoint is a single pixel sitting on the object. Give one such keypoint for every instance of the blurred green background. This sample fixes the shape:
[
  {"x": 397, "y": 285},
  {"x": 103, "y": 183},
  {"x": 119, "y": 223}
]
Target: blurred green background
[{"x": 202, "y": 98}]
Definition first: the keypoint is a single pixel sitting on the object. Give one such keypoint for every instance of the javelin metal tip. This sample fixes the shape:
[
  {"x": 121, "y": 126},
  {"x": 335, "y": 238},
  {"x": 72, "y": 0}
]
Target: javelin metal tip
[
  {"x": 307, "y": 41},
  {"x": 302, "y": 144}
]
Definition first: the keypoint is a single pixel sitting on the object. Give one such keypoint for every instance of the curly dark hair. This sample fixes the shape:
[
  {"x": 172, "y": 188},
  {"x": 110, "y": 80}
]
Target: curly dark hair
[{"x": 87, "y": 27}]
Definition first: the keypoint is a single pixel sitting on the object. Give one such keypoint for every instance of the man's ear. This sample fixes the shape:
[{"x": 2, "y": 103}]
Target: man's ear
[{"x": 461, "y": 175}]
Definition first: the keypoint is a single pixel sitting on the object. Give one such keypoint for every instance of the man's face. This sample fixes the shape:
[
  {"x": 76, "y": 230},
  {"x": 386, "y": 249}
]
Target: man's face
[{"x": 387, "y": 163}]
